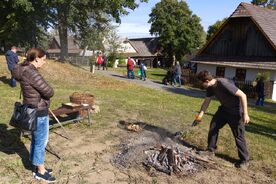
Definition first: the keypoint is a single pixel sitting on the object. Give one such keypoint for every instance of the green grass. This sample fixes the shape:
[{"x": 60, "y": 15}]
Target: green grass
[
  {"x": 156, "y": 74},
  {"x": 120, "y": 100}
]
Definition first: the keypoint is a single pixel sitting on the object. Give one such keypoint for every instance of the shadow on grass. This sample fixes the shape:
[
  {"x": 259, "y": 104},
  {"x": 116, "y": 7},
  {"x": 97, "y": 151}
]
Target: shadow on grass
[
  {"x": 119, "y": 76},
  {"x": 227, "y": 158},
  {"x": 261, "y": 130},
  {"x": 263, "y": 119},
  {"x": 10, "y": 143},
  {"x": 158, "y": 74},
  {"x": 5, "y": 80},
  {"x": 184, "y": 91},
  {"x": 267, "y": 108},
  {"x": 162, "y": 132}
]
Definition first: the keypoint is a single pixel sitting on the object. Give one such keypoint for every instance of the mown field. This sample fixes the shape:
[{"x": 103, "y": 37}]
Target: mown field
[
  {"x": 122, "y": 100},
  {"x": 156, "y": 74}
]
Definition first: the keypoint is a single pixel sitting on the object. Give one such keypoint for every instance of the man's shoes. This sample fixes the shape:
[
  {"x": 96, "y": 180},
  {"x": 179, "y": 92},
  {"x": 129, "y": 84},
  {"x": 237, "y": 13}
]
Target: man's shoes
[
  {"x": 45, "y": 177},
  {"x": 206, "y": 153},
  {"x": 242, "y": 164}
]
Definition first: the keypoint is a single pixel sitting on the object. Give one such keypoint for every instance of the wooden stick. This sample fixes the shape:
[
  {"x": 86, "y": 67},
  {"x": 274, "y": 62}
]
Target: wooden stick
[{"x": 68, "y": 137}]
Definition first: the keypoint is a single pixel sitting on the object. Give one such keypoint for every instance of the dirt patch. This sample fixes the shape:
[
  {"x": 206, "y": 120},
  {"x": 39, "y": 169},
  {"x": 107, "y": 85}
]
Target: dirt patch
[{"x": 92, "y": 157}]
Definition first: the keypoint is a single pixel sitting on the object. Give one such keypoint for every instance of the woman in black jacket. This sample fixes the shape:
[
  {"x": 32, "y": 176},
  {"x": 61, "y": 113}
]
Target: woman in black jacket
[{"x": 36, "y": 92}]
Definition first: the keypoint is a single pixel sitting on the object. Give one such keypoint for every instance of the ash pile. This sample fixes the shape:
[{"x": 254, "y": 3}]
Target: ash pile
[
  {"x": 158, "y": 151},
  {"x": 172, "y": 160}
]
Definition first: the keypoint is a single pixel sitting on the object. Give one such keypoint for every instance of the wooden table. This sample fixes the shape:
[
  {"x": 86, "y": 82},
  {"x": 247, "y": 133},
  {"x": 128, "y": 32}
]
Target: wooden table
[{"x": 68, "y": 114}]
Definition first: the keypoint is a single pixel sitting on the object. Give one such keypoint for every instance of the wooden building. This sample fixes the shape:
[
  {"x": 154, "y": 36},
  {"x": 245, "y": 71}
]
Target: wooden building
[
  {"x": 146, "y": 51},
  {"x": 244, "y": 46},
  {"x": 54, "y": 47}
]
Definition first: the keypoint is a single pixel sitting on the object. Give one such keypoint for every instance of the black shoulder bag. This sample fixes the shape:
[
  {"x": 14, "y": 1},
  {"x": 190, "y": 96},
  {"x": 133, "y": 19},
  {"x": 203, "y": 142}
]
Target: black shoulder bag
[{"x": 24, "y": 116}]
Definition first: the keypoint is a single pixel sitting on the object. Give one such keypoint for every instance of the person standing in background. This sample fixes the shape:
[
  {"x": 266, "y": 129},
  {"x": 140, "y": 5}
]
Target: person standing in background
[
  {"x": 260, "y": 92},
  {"x": 104, "y": 62},
  {"x": 143, "y": 69},
  {"x": 12, "y": 60},
  {"x": 177, "y": 74},
  {"x": 130, "y": 68},
  {"x": 99, "y": 60}
]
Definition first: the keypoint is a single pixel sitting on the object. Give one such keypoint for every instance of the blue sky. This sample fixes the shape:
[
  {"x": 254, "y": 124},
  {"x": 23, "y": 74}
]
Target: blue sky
[{"x": 135, "y": 24}]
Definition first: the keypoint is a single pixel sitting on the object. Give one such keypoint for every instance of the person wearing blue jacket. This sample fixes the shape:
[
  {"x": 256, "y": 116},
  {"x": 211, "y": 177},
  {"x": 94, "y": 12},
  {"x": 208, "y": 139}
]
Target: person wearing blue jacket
[{"x": 12, "y": 60}]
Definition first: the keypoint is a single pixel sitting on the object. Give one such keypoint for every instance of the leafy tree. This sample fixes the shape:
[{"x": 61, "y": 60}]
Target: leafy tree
[
  {"x": 23, "y": 23},
  {"x": 78, "y": 15},
  {"x": 32, "y": 16},
  {"x": 271, "y": 4},
  {"x": 113, "y": 44},
  {"x": 214, "y": 28},
  {"x": 178, "y": 29}
]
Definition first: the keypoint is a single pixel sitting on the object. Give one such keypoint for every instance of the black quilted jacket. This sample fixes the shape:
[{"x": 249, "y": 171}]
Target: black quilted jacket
[{"x": 34, "y": 88}]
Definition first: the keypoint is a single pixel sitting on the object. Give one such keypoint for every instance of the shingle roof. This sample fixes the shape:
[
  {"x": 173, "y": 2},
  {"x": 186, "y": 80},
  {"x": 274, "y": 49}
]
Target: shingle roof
[
  {"x": 264, "y": 18},
  {"x": 145, "y": 47},
  {"x": 73, "y": 47},
  {"x": 72, "y": 44}
]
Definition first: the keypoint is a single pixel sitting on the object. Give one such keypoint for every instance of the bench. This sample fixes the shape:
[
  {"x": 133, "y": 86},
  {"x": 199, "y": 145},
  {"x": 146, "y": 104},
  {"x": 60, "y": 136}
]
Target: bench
[{"x": 68, "y": 114}]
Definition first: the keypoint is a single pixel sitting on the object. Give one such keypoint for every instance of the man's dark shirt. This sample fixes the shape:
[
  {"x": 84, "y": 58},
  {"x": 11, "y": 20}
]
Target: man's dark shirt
[
  {"x": 224, "y": 90},
  {"x": 12, "y": 59}
]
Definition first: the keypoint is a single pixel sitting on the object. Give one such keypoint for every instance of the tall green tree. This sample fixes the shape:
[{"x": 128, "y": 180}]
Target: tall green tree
[
  {"x": 271, "y": 4},
  {"x": 23, "y": 23},
  {"x": 112, "y": 45},
  {"x": 78, "y": 15},
  {"x": 214, "y": 28},
  {"x": 30, "y": 17},
  {"x": 178, "y": 29}
]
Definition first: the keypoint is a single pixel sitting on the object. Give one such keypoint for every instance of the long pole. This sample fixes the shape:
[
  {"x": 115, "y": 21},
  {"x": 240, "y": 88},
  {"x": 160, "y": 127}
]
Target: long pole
[{"x": 68, "y": 137}]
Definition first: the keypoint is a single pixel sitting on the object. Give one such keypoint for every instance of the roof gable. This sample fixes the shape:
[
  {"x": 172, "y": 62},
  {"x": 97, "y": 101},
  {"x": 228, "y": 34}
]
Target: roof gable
[
  {"x": 144, "y": 46},
  {"x": 241, "y": 11},
  {"x": 264, "y": 18},
  {"x": 72, "y": 43}
]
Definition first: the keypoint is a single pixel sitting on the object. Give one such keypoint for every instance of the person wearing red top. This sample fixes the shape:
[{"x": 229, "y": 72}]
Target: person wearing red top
[
  {"x": 130, "y": 67},
  {"x": 99, "y": 60}
]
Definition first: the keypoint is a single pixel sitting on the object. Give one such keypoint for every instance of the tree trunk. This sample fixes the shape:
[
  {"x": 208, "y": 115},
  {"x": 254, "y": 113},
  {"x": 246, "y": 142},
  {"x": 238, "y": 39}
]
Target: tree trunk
[
  {"x": 63, "y": 34},
  {"x": 83, "y": 53}
]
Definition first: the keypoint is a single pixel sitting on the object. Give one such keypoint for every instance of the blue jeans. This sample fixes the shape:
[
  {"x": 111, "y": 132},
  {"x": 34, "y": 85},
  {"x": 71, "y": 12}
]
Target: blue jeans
[
  {"x": 177, "y": 77},
  {"x": 260, "y": 100},
  {"x": 143, "y": 74},
  {"x": 13, "y": 82},
  {"x": 39, "y": 141},
  {"x": 130, "y": 72}
]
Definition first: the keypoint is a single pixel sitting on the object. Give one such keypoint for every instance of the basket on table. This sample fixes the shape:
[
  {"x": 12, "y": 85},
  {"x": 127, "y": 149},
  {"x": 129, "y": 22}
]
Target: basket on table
[{"x": 82, "y": 98}]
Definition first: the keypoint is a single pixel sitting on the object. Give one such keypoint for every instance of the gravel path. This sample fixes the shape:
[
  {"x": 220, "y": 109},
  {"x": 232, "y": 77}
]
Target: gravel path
[
  {"x": 184, "y": 90},
  {"x": 155, "y": 84}
]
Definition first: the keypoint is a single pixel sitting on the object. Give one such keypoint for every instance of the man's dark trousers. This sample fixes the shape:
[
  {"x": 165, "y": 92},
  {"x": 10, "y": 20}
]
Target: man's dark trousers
[
  {"x": 237, "y": 126},
  {"x": 12, "y": 81}
]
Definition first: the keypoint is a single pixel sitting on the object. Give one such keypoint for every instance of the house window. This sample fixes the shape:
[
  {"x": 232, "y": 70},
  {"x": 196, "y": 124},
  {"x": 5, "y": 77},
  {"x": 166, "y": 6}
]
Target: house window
[
  {"x": 220, "y": 71},
  {"x": 240, "y": 74}
]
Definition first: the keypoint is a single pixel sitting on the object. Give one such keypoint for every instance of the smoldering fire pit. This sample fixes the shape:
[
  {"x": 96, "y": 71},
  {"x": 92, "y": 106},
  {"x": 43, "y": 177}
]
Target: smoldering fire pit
[
  {"x": 155, "y": 148},
  {"x": 171, "y": 160}
]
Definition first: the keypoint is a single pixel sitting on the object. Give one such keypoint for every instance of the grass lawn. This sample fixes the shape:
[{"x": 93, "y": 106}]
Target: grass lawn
[
  {"x": 156, "y": 74},
  {"x": 120, "y": 100}
]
